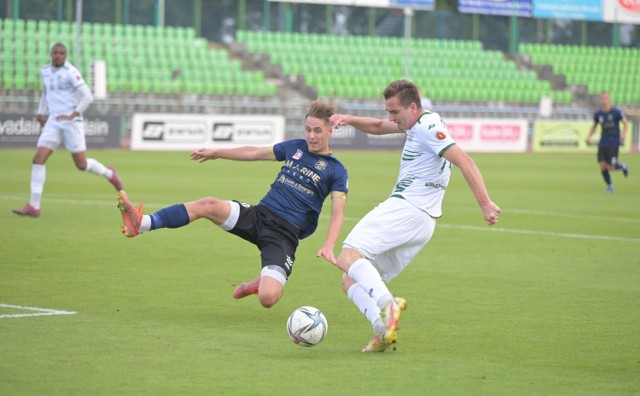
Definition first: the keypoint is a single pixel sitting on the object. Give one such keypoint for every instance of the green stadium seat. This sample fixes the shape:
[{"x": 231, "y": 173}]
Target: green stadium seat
[{"x": 599, "y": 68}]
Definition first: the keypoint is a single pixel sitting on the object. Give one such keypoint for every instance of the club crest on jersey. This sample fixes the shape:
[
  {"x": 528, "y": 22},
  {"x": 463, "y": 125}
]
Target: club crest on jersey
[
  {"x": 440, "y": 135},
  {"x": 298, "y": 154},
  {"x": 321, "y": 165}
]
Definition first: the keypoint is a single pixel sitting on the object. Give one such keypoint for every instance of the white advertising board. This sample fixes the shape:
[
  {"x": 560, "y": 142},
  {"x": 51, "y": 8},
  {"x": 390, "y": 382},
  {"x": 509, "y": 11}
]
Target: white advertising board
[
  {"x": 178, "y": 132},
  {"x": 489, "y": 135},
  {"x": 421, "y": 4},
  {"x": 622, "y": 11}
]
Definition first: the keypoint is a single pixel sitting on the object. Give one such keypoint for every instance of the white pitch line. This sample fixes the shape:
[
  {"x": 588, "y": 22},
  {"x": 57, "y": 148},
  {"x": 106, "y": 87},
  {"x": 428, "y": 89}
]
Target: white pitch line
[
  {"x": 467, "y": 208},
  {"x": 543, "y": 233},
  {"x": 526, "y": 232},
  {"x": 559, "y": 214},
  {"x": 40, "y": 311},
  {"x": 474, "y": 228},
  {"x": 77, "y": 201}
]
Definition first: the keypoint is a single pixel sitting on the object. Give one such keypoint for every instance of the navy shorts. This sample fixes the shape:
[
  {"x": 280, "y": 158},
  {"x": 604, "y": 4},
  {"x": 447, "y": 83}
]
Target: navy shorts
[
  {"x": 608, "y": 155},
  {"x": 276, "y": 238}
]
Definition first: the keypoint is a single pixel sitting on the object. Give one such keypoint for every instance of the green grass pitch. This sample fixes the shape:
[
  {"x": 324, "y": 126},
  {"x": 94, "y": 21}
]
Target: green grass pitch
[{"x": 545, "y": 303}]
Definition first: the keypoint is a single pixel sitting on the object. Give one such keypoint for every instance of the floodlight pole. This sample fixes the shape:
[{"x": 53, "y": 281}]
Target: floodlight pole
[
  {"x": 159, "y": 13},
  {"x": 408, "y": 14},
  {"x": 78, "y": 50}
]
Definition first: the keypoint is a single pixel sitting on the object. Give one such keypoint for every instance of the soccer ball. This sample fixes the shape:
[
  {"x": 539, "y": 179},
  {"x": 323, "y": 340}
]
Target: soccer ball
[{"x": 307, "y": 326}]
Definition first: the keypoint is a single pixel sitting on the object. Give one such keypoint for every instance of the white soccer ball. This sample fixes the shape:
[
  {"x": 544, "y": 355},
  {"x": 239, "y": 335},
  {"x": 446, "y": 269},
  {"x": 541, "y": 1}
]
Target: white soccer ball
[{"x": 307, "y": 326}]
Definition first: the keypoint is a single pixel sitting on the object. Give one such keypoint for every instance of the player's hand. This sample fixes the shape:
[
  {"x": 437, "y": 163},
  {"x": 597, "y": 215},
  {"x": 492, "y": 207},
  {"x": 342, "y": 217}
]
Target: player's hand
[
  {"x": 67, "y": 117},
  {"x": 42, "y": 119},
  {"x": 491, "y": 213},
  {"x": 202, "y": 155},
  {"x": 339, "y": 120},
  {"x": 328, "y": 255}
]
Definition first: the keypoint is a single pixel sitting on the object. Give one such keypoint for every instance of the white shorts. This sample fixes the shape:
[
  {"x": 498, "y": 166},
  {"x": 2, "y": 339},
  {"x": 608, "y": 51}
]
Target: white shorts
[
  {"x": 71, "y": 133},
  {"x": 391, "y": 235}
]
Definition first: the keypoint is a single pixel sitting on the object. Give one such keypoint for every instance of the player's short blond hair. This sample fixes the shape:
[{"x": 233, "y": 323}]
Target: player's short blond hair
[{"x": 321, "y": 110}]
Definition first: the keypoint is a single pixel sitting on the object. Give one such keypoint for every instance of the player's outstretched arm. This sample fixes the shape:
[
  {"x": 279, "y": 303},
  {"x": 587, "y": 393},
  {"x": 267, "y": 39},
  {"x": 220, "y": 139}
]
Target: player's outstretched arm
[
  {"x": 591, "y": 131},
  {"x": 370, "y": 125},
  {"x": 42, "y": 108},
  {"x": 474, "y": 179},
  {"x": 625, "y": 127},
  {"x": 335, "y": 227},
  {"x": 245, "y": 153}
]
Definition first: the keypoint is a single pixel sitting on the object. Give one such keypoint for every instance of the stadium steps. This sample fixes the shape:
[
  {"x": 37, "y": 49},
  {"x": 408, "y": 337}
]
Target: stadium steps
[
  {"x": 616, "y": 70},
  {"x": 578, "y": 92},
  {"x": 450, "y": 70}
]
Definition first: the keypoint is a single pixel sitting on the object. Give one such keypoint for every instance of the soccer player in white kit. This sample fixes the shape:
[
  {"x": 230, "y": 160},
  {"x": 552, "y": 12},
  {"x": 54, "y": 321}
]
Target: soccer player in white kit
[
  {"x": 386, "y": 239},
  {"x": 67, "y": 97}
]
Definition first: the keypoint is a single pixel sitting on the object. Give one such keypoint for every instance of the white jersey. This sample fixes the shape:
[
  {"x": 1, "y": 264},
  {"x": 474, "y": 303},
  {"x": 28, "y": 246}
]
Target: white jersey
[
  {"x": 60, "y": 87},
  {"x": 424, "y": 174}
]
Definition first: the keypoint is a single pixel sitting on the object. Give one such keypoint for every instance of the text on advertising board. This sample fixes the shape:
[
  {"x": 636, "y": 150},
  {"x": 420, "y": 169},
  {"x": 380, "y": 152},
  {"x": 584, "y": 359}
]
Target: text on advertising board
[
  {"x": 174, "y": 131},
  {"x": 503, "y": 133}
]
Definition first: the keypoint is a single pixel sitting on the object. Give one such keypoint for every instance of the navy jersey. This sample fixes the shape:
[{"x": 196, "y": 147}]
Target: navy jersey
[
  {"x": 303, "y": 183},
  {"x": 610, "y": 125}
]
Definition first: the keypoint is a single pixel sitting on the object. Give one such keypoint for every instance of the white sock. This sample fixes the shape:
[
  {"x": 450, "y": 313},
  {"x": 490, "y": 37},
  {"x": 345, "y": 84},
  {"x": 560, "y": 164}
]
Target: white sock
[
  {"x": 97, "y": 168},
  {"x": 145, "y": 224},
  {"x": 38, "y": 176},
  {"x": 366, "y": 305},
  {"x": 363, "y": 272}
]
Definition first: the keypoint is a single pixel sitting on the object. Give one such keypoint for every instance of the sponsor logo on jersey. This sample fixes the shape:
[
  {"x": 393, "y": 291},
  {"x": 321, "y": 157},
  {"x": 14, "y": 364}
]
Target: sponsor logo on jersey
[
  {"x": 289, "y": 182},
  {"x": 294, "y": 168},
  {"x": 297, "y": 155},
  {"x": 321, "y": 165},
  {"x": 436, "y": 185},
  {"x": 440, "y": 135}
]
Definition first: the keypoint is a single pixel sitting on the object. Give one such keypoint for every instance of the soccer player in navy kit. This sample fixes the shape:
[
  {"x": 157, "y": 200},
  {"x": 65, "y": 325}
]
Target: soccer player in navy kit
[
  {"x": 287, "y": 213},
  {"x": 609, "y": 119}
]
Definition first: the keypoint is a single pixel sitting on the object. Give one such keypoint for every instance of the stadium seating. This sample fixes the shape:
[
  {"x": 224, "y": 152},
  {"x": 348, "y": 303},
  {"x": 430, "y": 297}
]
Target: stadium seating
[
  {"x": 140, "y": 59},
  {"x": 356, "y": 67},
  {"x": 616, "y": 70}
]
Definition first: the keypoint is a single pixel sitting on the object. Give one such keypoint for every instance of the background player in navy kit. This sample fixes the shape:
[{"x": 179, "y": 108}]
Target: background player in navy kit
[
  {"x": 287, "y": 213},
  {"x": 67, "y": 97},
  {"x": 610, "y": 139}
]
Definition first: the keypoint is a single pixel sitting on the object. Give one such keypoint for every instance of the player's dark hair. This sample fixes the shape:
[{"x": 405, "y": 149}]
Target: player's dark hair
[
  {"x": 59, "y": 45},
  {"x": 406, "y": 91},
  {"x": 321, "y": 110}
]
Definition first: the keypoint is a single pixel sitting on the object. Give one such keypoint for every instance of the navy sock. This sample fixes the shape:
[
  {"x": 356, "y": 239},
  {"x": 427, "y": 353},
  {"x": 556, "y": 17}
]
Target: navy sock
[
  {"x": 607, "y": 177},
  {"x": 170, "y": 217},
  {"x": 618, "y": 166}
]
